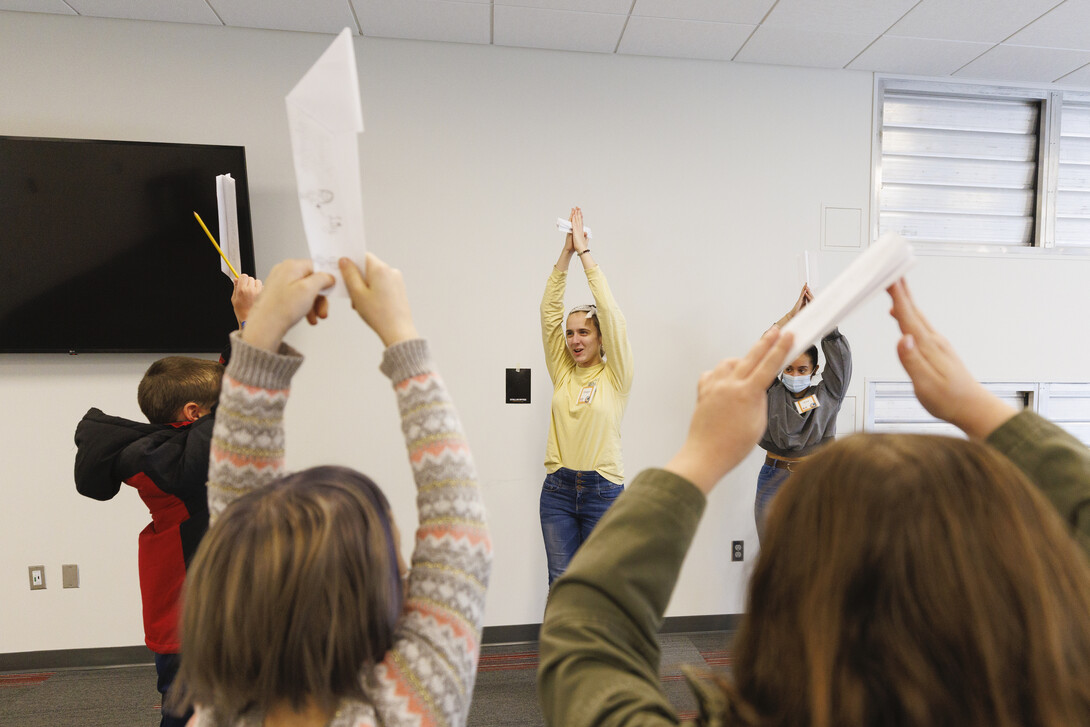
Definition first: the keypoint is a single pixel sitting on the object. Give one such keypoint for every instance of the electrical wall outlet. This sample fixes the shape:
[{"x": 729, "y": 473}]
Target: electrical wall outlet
[
  {"x": 69, "y": 576},
  {"x": 738, "y": 550},
  {"x": 37, "y": 577}
]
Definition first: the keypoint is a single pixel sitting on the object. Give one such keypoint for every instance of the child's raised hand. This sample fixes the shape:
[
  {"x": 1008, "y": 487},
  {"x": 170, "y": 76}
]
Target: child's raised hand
[
  {"x": 731, "y": 412},
  {"x": 379, "y": 297},
  {"x": 244, "y": 295},
  {"x": 291, "y": 292}
]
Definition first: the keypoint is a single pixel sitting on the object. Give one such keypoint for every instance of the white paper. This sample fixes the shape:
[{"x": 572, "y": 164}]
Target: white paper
[
  {"x": 325, "y": 117},
  {"x": 565, "y": 226},
  {"x": 228, "y": 209},
  {"x": 875, "y": 270},
  {"x": 806, "y": 273}
]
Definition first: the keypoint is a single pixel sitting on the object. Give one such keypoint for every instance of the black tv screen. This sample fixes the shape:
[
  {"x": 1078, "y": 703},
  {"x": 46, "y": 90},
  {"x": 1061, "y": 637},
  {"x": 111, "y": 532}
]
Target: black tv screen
[{"x": 100, "y": 252}]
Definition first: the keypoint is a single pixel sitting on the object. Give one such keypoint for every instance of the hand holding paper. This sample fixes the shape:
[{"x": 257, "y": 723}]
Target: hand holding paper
[
  {"x": 875, "y": 270},
  {"x": 565, "y": 226},
  {"x": 324, "y": 117}
]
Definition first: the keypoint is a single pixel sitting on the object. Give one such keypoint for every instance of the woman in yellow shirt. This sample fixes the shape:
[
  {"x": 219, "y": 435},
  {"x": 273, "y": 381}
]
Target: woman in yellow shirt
[{"x": 590, "y": 364}]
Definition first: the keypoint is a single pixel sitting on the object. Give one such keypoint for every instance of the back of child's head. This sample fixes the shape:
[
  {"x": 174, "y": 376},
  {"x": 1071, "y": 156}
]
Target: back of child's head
[
  {"x": 172, "y": 382},
  {"x": 912, "y": 580},
  {"x": 293, "y": 591}
]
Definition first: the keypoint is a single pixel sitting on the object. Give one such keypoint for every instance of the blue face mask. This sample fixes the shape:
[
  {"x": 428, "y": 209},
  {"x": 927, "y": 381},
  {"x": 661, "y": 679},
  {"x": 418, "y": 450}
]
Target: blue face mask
[{"x": 795, "y": 384}]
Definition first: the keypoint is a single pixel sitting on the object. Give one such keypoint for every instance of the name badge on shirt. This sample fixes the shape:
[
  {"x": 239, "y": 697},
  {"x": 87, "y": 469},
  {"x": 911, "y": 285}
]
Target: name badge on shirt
[
  {"x": 807, "y": 403},
  {"x": 587, "y": 394}
]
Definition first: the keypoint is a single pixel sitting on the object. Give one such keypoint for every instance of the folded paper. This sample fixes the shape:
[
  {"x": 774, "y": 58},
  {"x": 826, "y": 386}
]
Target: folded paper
[
  {"x": 228, "y": 214},
  {"x": 880, "y": 266},
  {"x": 565, "y": 226},
  {"x": 325, "y": 117}
]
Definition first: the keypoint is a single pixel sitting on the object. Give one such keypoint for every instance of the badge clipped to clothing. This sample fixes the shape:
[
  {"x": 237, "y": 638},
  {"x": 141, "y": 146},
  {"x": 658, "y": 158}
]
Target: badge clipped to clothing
[
  {"x": 587, "y": 394},
  {"x": 807, "y": 403}
]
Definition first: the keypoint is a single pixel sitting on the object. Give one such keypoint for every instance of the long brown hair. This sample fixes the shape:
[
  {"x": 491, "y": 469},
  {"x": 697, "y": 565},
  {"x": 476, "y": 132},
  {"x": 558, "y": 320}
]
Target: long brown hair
[
  {"x": 907, "y": 580},
  {"x": 292, "y": 592}
]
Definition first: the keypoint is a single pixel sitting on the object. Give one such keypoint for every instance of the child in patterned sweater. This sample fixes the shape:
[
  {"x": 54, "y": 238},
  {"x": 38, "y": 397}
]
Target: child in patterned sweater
[{"x": 296, "y": 611}]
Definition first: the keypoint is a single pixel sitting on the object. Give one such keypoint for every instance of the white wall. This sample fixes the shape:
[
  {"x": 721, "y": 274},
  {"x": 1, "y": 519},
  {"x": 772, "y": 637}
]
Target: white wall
[{"x": 702, "y": 181}]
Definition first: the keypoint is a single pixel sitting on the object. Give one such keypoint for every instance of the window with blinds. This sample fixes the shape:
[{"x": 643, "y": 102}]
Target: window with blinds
[
  {"x": 1069, "y": 406},
  {"x": 1073, "y": 179},
  {"x": 959, "y": 169},
  {"x": 982, "y": 168},
  {"x": 892, "y": 406}
]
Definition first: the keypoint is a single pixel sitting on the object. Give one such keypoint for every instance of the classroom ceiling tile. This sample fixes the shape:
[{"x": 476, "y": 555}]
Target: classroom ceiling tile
[
  {"x": 1078, "y": 77},
  {"x": 54, "y": 7},
  {"x": 917, "y": 56},
  {"x": 838, "y": 16},
  {"x": 556, "y": 30},
  {"x": 171, "y": 11},
  {"x": 982, "y": 21},
  {"x": 311, "y": 16},
  {"x": 802, "y": 47},
  {"x": 683, "y": 38},
  {"x": 739, "y": 11},
  {"x": 1066, "y": 26},
  {"x": 611, "y": 7},
  {"x": 454, "y": 22},
  {"x": 1021, "y": 63}
]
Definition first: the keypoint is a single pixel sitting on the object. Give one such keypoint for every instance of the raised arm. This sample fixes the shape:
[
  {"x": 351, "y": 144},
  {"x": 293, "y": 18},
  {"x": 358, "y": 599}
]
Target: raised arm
[
  {"x": 248, "y": 437},
  {"x": 1054, "y": 460},
  {"x": 611, "y": 320},
  {"x": 837, "y": 373},
  {"x": 438, "y": 637},
  {"x": 805, "y": 296},
  {"x": 552, "y": 312}
]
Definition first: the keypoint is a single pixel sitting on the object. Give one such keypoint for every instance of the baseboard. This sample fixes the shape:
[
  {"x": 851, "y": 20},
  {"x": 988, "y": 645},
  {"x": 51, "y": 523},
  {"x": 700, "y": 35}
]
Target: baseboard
[
  {"x": 127, "y": 655},
  {"x": 518, "y": 633},
  {"x": 76, "y": 658}
]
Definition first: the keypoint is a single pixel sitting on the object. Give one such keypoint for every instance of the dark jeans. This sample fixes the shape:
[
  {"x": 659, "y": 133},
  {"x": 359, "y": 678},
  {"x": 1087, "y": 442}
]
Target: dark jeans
[
  {"x": 769, "y": 481},
  {"x": 167, "y": 667},
  {"x": 572, "y": 502}
]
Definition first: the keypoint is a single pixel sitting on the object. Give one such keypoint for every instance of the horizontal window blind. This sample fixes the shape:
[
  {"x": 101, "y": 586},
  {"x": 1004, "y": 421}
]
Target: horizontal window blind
[
  {"x": 959, "y": 170},
  {"x": 892, "y": 407},
  {"x": 1073, "y": 179}
]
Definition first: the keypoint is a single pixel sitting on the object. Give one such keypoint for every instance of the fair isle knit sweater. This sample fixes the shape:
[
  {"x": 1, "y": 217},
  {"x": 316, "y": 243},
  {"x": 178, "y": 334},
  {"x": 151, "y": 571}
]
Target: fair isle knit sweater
[{"x": 427, "y": 677}]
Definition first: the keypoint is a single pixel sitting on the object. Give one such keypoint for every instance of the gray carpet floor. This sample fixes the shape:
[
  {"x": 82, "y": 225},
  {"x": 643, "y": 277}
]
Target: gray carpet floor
[{"x": 505, "y": 694}]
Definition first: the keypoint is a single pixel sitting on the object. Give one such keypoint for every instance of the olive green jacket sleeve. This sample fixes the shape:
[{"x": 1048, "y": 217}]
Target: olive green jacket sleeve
[
  {"x": 1055, "y": 461},
  {"x": 599, "y": 650}
]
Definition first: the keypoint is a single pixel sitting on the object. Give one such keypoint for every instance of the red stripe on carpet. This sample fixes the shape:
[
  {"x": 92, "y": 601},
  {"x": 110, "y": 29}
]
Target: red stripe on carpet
[{"x": 24, "y": 680}]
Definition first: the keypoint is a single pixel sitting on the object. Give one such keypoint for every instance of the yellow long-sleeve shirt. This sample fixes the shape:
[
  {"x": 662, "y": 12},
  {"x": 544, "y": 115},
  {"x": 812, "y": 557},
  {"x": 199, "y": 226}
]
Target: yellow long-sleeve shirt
[{"x": 586, "y": 435}]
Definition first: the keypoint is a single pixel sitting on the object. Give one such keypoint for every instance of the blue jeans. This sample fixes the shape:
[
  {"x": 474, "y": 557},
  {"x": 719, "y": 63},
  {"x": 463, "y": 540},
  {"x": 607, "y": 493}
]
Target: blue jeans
[
  {"x": 572, "y": 502},
  {"x": 768, "y": 483}
]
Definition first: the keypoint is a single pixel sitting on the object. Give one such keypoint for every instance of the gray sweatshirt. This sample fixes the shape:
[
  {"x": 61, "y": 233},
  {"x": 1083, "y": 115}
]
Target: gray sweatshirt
[{"x": 791, "y": 434}]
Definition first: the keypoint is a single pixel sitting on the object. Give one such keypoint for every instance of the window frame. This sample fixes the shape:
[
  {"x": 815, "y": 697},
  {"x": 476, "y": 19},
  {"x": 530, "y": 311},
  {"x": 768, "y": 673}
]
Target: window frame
[{"x": 1050, "y": 100}]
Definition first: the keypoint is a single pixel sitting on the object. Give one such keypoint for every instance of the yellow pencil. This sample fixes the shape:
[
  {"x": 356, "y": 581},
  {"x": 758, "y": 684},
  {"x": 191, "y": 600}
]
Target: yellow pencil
[{"x": 216, "y": 244}]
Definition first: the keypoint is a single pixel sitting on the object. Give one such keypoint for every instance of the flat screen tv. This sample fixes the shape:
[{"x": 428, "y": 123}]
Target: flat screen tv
[{"x": 100, "y": 252}]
